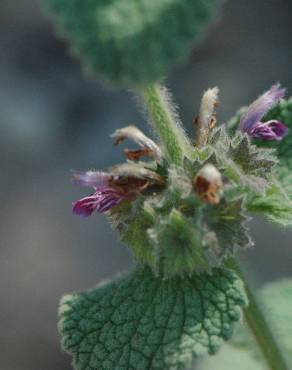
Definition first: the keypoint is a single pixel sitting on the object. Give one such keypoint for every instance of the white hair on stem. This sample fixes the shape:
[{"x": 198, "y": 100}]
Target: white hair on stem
[{"x": 206, "y": 117}]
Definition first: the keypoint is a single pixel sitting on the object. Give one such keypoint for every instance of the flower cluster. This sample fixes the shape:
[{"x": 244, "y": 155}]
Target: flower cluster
[{"x": 180, "y": 219}]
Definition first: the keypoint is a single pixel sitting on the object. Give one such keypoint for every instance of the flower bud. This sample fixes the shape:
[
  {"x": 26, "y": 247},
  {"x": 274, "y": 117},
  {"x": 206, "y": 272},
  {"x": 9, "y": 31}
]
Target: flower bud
[{"x": 208, "y": 184}]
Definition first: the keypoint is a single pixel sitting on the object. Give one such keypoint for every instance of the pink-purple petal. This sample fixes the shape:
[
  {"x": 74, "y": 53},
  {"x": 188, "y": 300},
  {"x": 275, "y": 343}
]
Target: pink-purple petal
[
  {"x": 85, "y": 206},
  {"x": 94, "y": 179},
  {"x": 101, "y": 201},
  {"x": 270, "y": 130},
  {"x": 260, "y": 107}
]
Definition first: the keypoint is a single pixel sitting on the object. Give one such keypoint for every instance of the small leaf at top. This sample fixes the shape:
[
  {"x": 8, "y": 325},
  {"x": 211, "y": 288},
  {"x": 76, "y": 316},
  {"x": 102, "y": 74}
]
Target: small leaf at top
[{"x": 143, "y": 322}]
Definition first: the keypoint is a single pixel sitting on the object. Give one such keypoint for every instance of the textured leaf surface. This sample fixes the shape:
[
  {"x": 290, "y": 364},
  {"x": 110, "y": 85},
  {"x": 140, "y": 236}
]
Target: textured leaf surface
[
  {"x": 276, "y": 300},
  {"x": 242, "y": 162},
  {"x": 228, "y": 222},
  {"x": 276, "y": 204},
  {"x": 132, "y": 42},
  {"x": 178, "y": 243},
  {"x": 143, "y": 322}
]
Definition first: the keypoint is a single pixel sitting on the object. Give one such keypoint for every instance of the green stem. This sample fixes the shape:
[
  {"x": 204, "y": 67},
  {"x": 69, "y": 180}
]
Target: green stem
[
  {"x": 260, "y": 328},
  {"x": 177, "y": 146},
  {"x": 165, "y": 122}
]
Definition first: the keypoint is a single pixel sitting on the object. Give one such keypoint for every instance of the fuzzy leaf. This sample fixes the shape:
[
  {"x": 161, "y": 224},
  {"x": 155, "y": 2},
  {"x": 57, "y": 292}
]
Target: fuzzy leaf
[
  {"x": 132, "y": 42},
  {"x": 242, "y": 162},
  {"x": 276, "y": 204},
  {"x": 137, "y": 237},
  {"x": 276, "y": 300},
  {"x": 177, "y": 243},
  {"x": 227, "y": 223},
  {"x": 142, "y": 322},
  {"x": 251, "y": 159}
]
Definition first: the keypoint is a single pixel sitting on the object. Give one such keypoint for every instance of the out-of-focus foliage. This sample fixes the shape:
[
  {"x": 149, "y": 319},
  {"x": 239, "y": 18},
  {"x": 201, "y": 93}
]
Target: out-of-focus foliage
[
  {"x": 276, "y": 299},
  {"x": 132, "y": 42}
]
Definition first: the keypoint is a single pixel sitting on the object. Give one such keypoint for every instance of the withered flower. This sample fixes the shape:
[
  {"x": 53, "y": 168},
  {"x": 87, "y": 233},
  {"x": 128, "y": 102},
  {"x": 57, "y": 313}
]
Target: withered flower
[
  {"x": 208, "y": 184},
  {"x": 122, "y": 182}
]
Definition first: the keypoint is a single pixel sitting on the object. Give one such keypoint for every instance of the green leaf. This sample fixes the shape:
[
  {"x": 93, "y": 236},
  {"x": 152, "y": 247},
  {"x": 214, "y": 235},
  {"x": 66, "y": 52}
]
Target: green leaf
[
  {"x": 276, "y": 301},
  {"x": 132, "y": 42},
  {"x": 177, "y": 243},
  {"x": 137, "y": 237},
  {"x": 143, "y": 322},
  {"x": 251, "y": 160},
  {"x": 276, "y": 204},
  {"x": 284, "y": 175},
  {"x": 227, "y": 221},
  {"x": 242, "y": 162}
]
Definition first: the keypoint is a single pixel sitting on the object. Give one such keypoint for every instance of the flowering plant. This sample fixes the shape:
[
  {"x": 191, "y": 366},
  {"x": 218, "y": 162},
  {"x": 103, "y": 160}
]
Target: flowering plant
[{"x": 182, "y": 206}]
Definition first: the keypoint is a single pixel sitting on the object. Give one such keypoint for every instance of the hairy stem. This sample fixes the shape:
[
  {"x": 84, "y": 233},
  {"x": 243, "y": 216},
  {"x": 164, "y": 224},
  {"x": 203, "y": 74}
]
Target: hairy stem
[
  {"x": 177, "y": 146},
  {"x": 166, "y": 123},
  {"x": 259, "y": 327}
]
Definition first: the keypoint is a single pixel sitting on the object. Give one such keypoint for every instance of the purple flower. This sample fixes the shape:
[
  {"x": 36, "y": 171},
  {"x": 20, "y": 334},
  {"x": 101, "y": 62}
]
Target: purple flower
[
  {"x": 92, "y": 179},
  {"x": 104, "y": 196},
  {"x": 251, "y": 123},
  {"x": 124, "y": 182},
  {"x": 270, "y": 130},
  {"x": 101, "y": 201}
]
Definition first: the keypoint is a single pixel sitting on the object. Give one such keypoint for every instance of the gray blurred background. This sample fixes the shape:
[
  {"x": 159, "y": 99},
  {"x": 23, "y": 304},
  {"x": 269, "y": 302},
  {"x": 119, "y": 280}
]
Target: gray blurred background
[{"x": 54, "y": 119}]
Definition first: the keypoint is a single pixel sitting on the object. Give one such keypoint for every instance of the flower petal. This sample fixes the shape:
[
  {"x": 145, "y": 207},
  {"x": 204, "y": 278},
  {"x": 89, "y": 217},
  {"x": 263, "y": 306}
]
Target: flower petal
[
  {"x": 85, "y": 206},
  {"x": 260, "y": 107},
  {"x": 94, "y": 179},
  {"x": 271, "y": 130},
  {"x": 132, "y": 132},
  {"x": 135, "y": 170},
  {"x": 101, "y": 201}
]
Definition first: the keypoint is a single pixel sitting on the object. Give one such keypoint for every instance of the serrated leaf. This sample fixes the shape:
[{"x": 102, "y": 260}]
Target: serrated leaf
[
  {"x": 227, "y": 221},
  {"x": 143, "y": 322},
  {"x": 276, "y": 299},
  {"x": 240, "y": 161},
  {"x": 252, "y": 160},
  {"x": 276, "y": 204}
]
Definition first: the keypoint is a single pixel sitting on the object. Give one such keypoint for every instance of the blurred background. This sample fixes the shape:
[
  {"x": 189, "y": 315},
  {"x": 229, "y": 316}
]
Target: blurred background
[{"x": 54, "y": 119}]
